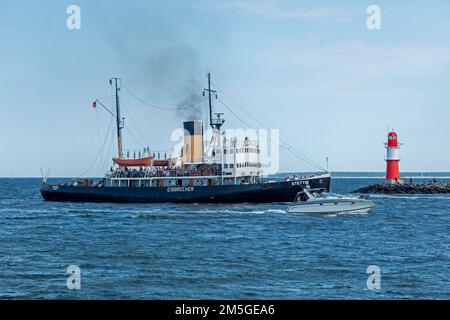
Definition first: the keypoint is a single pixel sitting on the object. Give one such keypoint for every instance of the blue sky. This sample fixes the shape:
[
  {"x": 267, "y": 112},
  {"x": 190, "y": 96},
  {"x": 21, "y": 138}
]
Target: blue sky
[{"x": 310, "y": 68}]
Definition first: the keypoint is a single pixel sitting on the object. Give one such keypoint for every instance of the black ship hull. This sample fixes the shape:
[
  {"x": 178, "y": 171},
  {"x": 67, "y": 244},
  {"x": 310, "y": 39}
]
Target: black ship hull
[{"x": 285, "y": 191}]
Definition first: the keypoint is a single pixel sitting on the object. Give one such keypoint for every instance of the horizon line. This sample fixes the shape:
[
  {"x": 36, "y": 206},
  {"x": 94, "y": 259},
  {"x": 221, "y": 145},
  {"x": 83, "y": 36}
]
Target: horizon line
[{"x": 426, "y": 174}]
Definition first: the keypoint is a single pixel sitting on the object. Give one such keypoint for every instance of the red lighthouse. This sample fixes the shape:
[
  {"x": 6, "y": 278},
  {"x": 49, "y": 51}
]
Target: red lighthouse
[{"x": 392, "y": 158}]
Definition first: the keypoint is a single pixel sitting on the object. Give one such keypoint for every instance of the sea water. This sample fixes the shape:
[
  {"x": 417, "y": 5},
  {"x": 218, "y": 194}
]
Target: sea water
[{"x": 222, "y": 251}]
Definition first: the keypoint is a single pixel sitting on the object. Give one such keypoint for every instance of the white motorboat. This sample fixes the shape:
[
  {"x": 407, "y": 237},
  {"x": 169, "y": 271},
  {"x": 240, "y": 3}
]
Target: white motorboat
[{"x": 325, "y": 203}]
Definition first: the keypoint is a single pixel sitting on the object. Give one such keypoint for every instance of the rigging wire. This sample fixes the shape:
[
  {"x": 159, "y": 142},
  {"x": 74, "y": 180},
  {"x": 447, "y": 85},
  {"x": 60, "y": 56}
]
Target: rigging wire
[
  {"x": 104, "y": 157},
  {"x": 95, "y": 143},
  {"x": 146, "y": 102},
  {"x": 134, "y": 137},
  {"x": 96, "y": 137},
  {"x": 103, "y": 98},
  {"x": 97, "y": 131},
  {"x": 284, "y": 144},
  {"x": 105, "y": 153},
  {"x": 134, "y": 122},
  {"x": 104, "y": 163},
  {"x": 100, "y": 152}
]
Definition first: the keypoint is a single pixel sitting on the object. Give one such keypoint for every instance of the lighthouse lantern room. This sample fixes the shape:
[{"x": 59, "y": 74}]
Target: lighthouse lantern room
[{"x": 392, "y": 159}]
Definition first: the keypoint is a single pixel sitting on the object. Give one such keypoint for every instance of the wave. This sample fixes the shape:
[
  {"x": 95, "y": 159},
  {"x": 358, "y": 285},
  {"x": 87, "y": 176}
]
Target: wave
[
  {"x": 411, "y": 197},
  {"x": 144, "y": 216}
]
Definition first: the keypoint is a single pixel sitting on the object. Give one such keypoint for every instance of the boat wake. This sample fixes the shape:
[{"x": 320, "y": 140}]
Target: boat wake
[{"x": 351, "y": 213}]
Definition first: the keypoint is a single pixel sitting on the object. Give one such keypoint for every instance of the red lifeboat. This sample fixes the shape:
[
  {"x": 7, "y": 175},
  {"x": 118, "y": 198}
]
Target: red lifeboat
[{"x": 141, "y": 162}]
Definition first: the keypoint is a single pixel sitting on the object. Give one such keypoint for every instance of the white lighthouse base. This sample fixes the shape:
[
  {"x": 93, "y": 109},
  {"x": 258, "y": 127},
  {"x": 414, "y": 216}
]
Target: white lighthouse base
[{"x": 394, "y": 181}]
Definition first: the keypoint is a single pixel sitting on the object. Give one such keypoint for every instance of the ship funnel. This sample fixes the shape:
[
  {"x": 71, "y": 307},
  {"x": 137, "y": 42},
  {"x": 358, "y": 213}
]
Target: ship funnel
[{"x": 193, "y": 141}]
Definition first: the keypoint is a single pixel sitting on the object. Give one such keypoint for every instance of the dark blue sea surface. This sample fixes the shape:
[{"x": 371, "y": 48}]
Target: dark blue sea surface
[{"x": 167, "y": 251}]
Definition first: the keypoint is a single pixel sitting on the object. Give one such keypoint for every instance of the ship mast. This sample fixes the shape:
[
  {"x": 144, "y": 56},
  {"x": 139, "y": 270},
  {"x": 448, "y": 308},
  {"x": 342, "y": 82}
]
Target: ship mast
[
  {"x": 218, "y": 122},
  {"x": 214, "y": 123},
  {"x": 209, "y": 99},
  {"x": 119, "y": 121}
]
